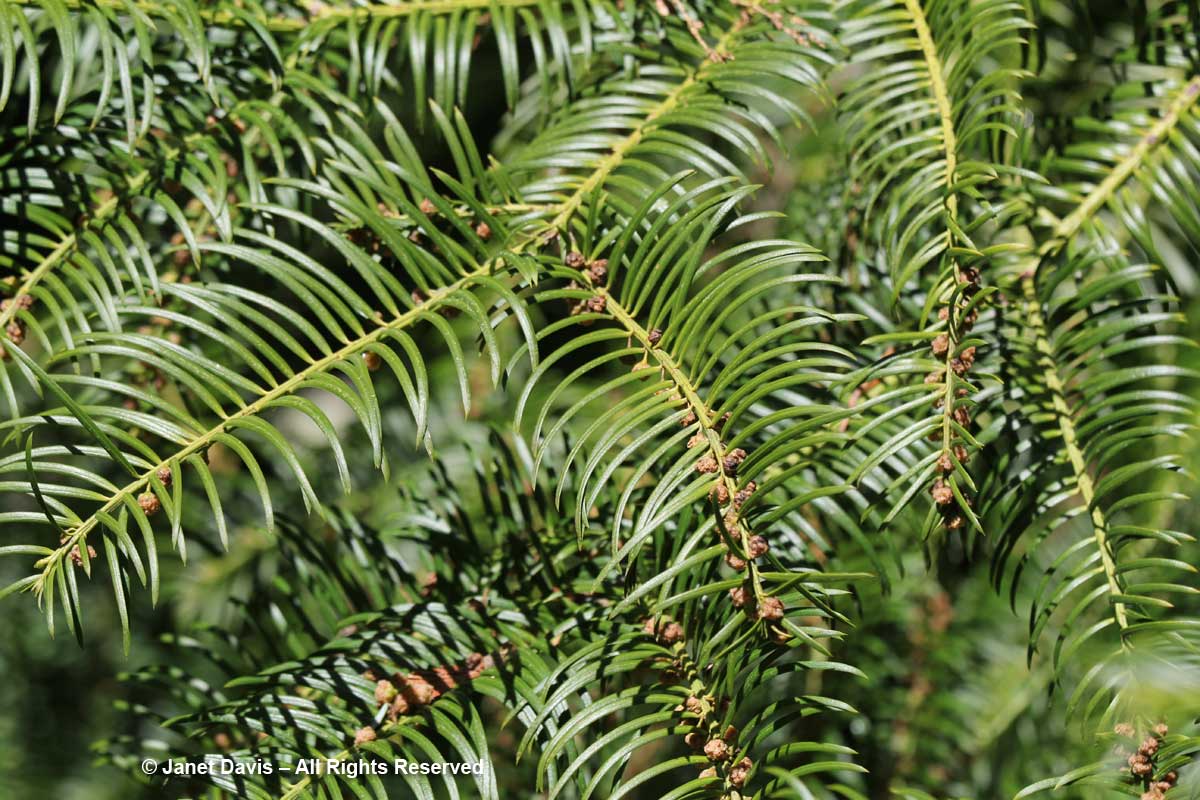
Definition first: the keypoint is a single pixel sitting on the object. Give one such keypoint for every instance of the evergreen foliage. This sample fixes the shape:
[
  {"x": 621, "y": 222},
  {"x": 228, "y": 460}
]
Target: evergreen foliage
[{"x": 508, "y": 386}]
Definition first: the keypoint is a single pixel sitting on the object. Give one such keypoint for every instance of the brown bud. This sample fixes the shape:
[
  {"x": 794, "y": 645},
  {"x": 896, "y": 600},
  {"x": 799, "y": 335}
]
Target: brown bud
[
  {"x": 695, "y": 440},
  {"x": 385, "y": 691},
  {"x": 364, "y": 735},
  {"x": 744, "y": 493},
  {"x": 1123, "y": 729},
  {"x": 598, "y": 270},
  {"x": 740, "y": 773},
  {"x": 77, "y": 557},
  {"x": 418, "y": 691},
  {"x": 574, "y": 259},
  {"x": 706, "y": 465},
  {"x": 941, "y": 344},
  {"x": 735, "y": 563},
  {"x": 399, "y": 707},
  {"x": 1149, "y": 746},
  {"x": 757, "y": 546},
  {"x": 597, "y": 303},
  {"x": 716, "y": 749},
  {"x": 222, "y": 741},
  {"x": 688, "y": 419},
  {"x": 708, "y": 772},
  {"x": 771, "y": 608},
  {"x": 165, "y": 477},
  {"x": 427, "y": 207},
  {"x": 694, "y": 740},
  {"x": 149, "y": 503},
  {"x": 372, "y": 360},
  {"x": 740, "y": 597},
  {"x": 1160, "y": 729},
  {"x": 721, "y": 491},
  {"x": 666, "y": 631},
  {"x": 16, "y": 332},
  {"x": 942, "y": 493},
  {"x": 732, "y": 460},
  {"x": 654, "y": 336},
  {"x": 483, "y": 231}
]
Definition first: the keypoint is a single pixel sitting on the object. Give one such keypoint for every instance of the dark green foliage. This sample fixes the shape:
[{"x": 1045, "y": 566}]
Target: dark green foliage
[{"x": 804, "y": 349}]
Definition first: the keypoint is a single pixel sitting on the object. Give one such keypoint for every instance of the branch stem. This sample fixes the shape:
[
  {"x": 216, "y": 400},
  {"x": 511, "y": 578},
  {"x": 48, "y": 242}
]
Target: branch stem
[
  {"x": 695, "y": 403},
  {"x": 1064, "y": 231},
  {"x": 535, "y": 238},
  {"x": 294, "y": 24},
  {"x": 1066, "y": 427}
]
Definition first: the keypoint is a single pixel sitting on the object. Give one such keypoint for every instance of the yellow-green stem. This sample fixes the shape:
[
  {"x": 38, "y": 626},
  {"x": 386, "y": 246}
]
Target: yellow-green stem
[
  {"x": 941, "y": 99},
  {"x": 281, "y": 24},
  {"x": 1066, "y": 427},
  {"x": 562, "y": 214},
  {"x": 107, "y": 208},
  {"x": 1064, "y": 231},
  {"x": 704, "y": 417},
  {"x": 1069, "y": 225}
]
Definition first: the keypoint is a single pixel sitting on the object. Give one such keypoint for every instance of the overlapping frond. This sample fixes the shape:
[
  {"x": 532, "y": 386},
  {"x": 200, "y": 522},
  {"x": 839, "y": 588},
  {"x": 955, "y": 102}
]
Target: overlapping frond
[
  {"x": 929, "y": 113},
  {"x": 274, "y": 355},
  {"x": 724, "y": 397},
  {"x": 225, "y": 223},
  {"x": 1091, "y": 331},
  {"x": 421, "y": 48},
  {"x": 163, "y": 143},
  {"x": 932, "y": 114},
  {"x": 410, "y": 247},
  {"x": 1113, "y": 774},
  {"x": 397, "y": 683},
  {"x": 1095, "y": 395}
]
